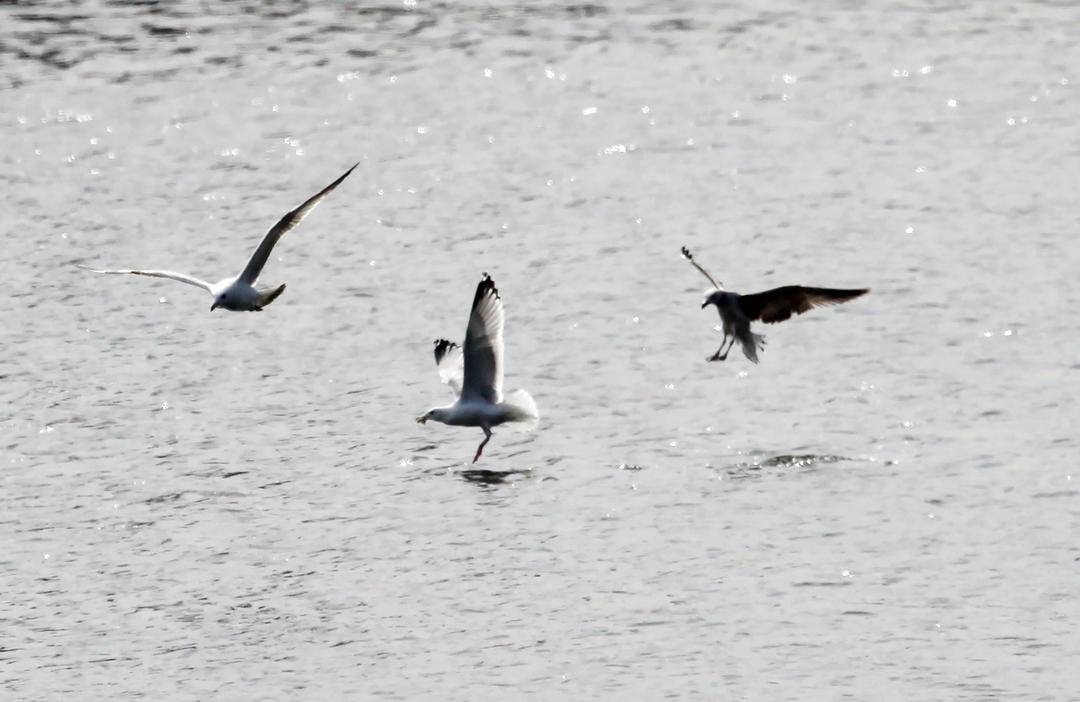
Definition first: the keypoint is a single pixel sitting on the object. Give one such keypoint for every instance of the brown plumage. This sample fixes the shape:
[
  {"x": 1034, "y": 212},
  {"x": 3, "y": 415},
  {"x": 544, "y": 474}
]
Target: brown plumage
[
  {"x": 771, "y": 306},
  {"x": 778, "y": 304}
]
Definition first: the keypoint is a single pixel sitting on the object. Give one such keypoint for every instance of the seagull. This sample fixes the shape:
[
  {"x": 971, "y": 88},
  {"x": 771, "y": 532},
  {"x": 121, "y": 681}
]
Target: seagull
[
  {"x": 776, "y": 305},
  {"x": 474, "y": 372},
  {"x": 239, "y": 293}
]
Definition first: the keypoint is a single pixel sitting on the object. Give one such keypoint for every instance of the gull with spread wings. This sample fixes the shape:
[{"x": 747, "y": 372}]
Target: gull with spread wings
[
  {"x": 239, "y": 293},
  {"x": 776, "y": 305},
  {"x": 474, "y": 372}
]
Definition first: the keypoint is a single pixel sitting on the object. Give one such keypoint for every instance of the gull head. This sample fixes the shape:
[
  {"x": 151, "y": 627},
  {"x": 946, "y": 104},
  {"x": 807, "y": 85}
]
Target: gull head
[
  {"x": 439, "y": 414},
  {"x": 712, "y": 297},
  {"x": 220, "y": 301}
]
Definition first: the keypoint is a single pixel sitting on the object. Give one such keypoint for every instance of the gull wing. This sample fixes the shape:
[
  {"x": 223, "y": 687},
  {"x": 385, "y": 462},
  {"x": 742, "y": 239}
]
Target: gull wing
[
  {"x": 450, "y": 362},
  {"x": 483, "y": 352},
  {"x": 284, "y": 225},
  {"x": 779, "y": 304},
  {"x": 171, "y": 275},
  {"x": 689, "y": 257}
]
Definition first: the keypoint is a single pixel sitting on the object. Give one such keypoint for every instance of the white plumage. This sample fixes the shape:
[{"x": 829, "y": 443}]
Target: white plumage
[
  {"x": 239, "y": 293},
  {"x": 474, "y": 372}
]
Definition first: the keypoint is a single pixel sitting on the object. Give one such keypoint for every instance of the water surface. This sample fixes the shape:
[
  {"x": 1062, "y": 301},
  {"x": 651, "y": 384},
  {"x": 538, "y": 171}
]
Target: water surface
[{"x": 240, "y": 506}]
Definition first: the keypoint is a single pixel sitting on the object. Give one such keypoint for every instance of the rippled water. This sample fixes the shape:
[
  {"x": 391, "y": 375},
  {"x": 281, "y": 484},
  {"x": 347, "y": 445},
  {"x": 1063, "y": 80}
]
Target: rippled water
[{"x": 239, "y": 506}]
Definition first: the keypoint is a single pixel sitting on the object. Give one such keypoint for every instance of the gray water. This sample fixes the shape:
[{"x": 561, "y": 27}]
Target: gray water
[{"x": 232, "y": 506}]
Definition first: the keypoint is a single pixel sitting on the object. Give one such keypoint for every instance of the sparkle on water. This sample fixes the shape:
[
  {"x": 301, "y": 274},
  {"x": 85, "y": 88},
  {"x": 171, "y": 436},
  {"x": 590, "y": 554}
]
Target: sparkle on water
[{"x": 221, "y": 506}]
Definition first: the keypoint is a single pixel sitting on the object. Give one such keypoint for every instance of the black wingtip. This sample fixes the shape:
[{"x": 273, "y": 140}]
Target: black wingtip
[
  {"x": 443, "y": 347},
  {"x": 342, "y": 177},
  {"x": 686, "y": 254},
  {"x": 486, "y": 286},
  {"x": 852, "y": 293}
]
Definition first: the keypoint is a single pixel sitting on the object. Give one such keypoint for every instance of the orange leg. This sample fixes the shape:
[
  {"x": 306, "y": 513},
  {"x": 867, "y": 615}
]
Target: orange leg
[{"x": 480, "y": 448}]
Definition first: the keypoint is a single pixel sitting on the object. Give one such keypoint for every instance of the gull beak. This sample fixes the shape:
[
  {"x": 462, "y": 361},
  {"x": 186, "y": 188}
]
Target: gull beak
[
  {"x": 214, "y": 306},
  {"x": 704, "y": 304},
  {"x": 421, "y": 419}
]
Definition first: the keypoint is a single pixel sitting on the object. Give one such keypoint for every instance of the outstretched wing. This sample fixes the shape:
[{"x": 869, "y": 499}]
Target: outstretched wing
[
  {"x": 171, "y": 275},
  {"x": 450, "y": 362},
  {"x": 779, "y": 304},
  {"x": 483, "y": 350},
  {"x": 689, "y": 257},
  {"x": 284, "y": 225}
]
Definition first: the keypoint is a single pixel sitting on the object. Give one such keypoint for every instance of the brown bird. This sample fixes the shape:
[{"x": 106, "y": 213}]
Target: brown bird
[{"x": 776, "y": 305}]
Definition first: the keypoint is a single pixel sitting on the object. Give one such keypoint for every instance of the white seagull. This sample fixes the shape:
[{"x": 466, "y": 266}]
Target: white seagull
[
  {"x": 475, "y": 372},
  {"x": 776, "y": 305},
  {"x": 239, "y": 292}
]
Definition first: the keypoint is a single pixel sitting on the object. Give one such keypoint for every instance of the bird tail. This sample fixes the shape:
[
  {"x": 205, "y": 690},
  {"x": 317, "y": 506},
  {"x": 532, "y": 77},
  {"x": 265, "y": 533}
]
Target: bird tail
[
  {"x": 751, "y": 344},
  {"x": 268, "y": 295},
  {"x": 522, "y": 408}
]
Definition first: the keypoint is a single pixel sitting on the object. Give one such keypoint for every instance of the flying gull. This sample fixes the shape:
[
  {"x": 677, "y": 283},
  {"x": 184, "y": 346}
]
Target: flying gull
[
  {"x": 475, "y": 372},
  {"x": 771, "y": 306},
  {"x": 239, "y": 293}
]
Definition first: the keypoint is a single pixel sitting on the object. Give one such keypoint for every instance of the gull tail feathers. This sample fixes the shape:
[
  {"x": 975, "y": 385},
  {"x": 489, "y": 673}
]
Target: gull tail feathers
[
  {"x": 268, "y": 295},
  {"x": 522, "y": 409},
  {"x": 751, "y": 345}
]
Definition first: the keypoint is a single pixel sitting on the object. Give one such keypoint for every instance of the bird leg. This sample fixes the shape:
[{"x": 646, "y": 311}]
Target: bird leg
[
  {"x": 716, "y": 356},
  {"x": 480, "y": 448},
  {"x": 730, "y": 345}
]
